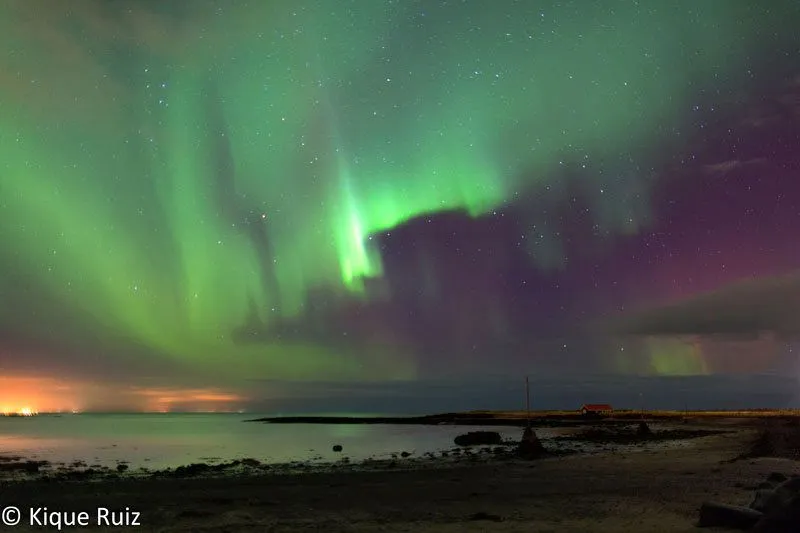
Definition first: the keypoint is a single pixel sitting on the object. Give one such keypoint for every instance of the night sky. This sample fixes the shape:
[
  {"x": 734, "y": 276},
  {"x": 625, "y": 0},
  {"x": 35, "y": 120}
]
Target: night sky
[{"x": 282, "y": 205}]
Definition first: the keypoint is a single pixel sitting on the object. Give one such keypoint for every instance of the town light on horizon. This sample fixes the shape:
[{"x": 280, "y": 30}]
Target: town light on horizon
[{"x": 19, "y": 411}]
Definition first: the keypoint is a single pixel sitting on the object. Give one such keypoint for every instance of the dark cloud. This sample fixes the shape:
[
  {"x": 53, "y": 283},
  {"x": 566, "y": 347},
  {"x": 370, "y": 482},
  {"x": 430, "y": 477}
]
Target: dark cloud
[{"x": 747, "y": 308}]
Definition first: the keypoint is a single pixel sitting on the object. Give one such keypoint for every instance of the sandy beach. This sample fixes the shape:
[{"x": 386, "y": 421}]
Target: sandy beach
[{"x": 652, "y": 488}]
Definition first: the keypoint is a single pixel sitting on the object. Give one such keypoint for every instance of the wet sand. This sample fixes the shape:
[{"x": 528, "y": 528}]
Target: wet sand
[{"x": 654, "y": 488}]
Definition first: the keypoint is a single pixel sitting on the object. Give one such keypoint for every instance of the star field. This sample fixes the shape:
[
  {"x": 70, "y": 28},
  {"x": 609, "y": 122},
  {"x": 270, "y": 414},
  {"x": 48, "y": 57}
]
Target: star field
[{"x": 380, "y": 190}]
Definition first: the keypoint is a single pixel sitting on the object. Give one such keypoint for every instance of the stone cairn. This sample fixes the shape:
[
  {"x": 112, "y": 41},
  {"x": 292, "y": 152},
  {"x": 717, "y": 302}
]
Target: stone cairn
[{"x": 530, "y": 447}]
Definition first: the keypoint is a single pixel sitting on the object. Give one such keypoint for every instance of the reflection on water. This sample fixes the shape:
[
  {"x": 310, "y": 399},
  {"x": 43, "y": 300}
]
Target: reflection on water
[{"x": 168, "y": 440}]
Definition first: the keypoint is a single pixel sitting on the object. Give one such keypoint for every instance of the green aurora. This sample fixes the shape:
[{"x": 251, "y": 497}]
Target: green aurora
[{"x": 169, "y": 168}]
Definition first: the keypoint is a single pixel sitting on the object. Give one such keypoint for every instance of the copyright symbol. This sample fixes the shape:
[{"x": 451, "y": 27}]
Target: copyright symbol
[{"x": 11, "y": 516}]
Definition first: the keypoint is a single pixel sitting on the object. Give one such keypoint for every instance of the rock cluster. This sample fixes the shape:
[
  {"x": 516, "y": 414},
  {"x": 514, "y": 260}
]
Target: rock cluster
[
  {"x": 775, "y": 508},
  {"x": 779, "y": 499},
  {"x": 479, "y": 438}
]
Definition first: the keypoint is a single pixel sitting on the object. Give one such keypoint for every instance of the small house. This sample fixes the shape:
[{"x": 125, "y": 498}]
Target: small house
[{"x": 596, "y": 409}]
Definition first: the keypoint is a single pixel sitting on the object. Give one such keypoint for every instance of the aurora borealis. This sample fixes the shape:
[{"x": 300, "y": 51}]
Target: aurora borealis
[{"x": 217, "y": 196}]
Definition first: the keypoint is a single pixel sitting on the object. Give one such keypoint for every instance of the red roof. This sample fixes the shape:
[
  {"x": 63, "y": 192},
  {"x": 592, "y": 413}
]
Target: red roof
[{"x": 596, "y": 407}]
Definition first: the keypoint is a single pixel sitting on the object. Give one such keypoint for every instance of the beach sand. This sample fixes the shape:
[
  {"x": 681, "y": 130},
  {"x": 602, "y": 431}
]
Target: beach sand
[{"x": 658, "y": 489}]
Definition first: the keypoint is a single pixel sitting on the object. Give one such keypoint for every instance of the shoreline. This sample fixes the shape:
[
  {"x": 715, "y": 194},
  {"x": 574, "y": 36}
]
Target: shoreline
[
  {"x": 652, "y": 485},
  {"x": 654, "y": 489},
  {"x": 588, "y": 439}
]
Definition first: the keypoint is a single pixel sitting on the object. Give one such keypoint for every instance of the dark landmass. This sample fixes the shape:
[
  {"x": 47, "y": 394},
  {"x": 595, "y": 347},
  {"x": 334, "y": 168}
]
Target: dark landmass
[
  {"x": 433, "y": 420},
  {"x": 541, "y": 418}
]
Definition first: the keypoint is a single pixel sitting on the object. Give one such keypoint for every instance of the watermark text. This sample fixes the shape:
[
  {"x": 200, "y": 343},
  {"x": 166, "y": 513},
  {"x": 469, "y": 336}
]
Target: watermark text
[{"x": 59, "y": 519}]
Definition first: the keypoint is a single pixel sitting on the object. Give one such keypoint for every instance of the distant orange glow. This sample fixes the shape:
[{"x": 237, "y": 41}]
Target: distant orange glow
[
  {"x": 21, "y": 395},
  {"x": 30, "y": 395},
  {"x": 166, "y": 399}
]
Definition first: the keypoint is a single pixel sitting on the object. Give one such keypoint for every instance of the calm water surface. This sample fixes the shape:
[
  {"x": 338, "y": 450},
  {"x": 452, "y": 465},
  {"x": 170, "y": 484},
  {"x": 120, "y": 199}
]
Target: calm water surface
[{"x": 168, "y": 440}]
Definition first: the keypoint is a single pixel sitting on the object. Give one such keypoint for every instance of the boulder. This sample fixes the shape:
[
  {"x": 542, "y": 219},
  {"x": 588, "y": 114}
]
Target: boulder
[
  {"x": 193, "y": 469},
  {"x": 714, "y": 514},
  {"x": 480, "y": 515},
  {"x": 337, "y": 447},
  {"x": 781, "y": 508},
  {"x": 760, "y": 499},
  {"x": 782, "y": 496},
  {"x": 776, "y": 478},
  {"x": 478, "y": 438},
  {"x": 783, "y": 520},
  {"x": 643, "y": 430}
]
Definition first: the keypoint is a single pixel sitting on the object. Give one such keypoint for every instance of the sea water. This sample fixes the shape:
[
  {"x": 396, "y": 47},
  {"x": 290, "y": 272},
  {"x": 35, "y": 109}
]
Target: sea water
[{"x": 157, "y": 441}]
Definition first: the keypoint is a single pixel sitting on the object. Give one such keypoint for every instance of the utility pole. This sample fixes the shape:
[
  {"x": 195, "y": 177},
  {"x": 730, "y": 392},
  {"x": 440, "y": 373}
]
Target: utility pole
[
  {"x": 527, "y": 402},
  {"x": 530, "y": 446},
  {"x": 641, "y": 405}
]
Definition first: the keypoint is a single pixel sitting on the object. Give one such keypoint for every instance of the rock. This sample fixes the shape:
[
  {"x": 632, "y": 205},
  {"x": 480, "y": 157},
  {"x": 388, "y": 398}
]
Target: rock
[
  {"x": 405, "y": 454},
  {"x": 486, "y": 516},
  {"x": 782, "y": 496},
  {"x": 776, "y": 478},
  {"x": 76, "y": 475},
  {"x": 713, "y": 514},
  {"x": 478, "y": 438},
  {"x": 760, "y": 499},
  {"x": 781, "y": 506},
  {"x": 643, "y": 430},
  {"x": 193, "y": 469},
  {"x": 337, "y": 448},
  {"x": 122, "y": 467},
  {"x": 785, "y": 519}
]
